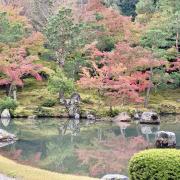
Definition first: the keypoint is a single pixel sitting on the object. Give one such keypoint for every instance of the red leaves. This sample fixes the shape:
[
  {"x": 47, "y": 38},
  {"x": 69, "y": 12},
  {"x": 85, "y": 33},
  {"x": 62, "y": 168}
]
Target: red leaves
[
  {"x": 121, "y": 74},
  {"x": 113, "y": 157},
  {"x": 16, "y": 66}
]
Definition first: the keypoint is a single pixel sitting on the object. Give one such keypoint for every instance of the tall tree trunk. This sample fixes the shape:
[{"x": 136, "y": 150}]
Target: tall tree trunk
[
  {"x": 7, "y": 90},
  {"x": 177, "y": 41},
  {"x": 13, "y": 92},
  {"x": 146, "y": 102},
  {"x": 60, "y": 59},
  {"x": 61, "y": 96}
]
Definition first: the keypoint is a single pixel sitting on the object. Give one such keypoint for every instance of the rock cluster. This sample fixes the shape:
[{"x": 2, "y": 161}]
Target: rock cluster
[
  {"x": 165, "y": 139},
  {"x": 6, "y": 137},
  {"x": 149, "y": 118}
]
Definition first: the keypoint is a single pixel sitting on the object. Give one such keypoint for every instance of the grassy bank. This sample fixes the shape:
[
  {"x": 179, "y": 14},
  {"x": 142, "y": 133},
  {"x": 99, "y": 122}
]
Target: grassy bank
[
  {"x": 34, "y": 93},
  {"x": 12, "y": 169}
]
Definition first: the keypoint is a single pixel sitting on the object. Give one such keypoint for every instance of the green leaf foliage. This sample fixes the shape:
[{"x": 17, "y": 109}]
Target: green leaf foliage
[
  {"x": 48, "y": 103},
  {"x": 63, "y": 34},
  {"x": 59, "y": 82},
  {"x": 155, "y": 164},
  {"x": 7, "y": 103},
  {"x": 10, "y": 31}
]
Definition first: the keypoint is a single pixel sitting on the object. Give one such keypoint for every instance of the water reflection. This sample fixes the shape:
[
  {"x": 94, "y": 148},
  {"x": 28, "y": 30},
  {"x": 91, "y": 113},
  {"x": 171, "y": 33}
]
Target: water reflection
[
  {"x": 58, "y": 145},
  {"x": 5, "y": 121},
  {"x": 148, "y": 130}
]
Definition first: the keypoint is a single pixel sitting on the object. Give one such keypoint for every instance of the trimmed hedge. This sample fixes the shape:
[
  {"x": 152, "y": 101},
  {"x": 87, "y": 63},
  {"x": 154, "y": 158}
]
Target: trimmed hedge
[{"x": 155, "y": 164}]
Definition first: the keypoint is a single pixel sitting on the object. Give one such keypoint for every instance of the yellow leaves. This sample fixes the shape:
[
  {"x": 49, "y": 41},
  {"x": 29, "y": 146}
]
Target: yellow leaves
[{"x": 14, "y": 15}]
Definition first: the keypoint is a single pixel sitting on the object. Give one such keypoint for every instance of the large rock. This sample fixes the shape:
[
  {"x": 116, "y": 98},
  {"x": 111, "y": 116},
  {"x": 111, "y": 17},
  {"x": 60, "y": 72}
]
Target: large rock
[
  {"x": 7, "y": 137},
  {"x": 5, "y": 114},
  {"x": 123, "y": 117},
  {"x": 137, "y": 115},
  {"x": 149, "y": 118},
  {"x": 90, "y": 116},
  {"x": 72, "y": 106},
  {"x": 165, "y": 139},
  {"x": 114, "y": 177}
]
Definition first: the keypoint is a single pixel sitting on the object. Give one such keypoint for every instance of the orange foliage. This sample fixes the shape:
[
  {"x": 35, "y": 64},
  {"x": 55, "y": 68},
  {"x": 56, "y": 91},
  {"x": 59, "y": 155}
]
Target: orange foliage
[
  {"x": 14, "y": 15},
  {"x": 121, "y": 74}
]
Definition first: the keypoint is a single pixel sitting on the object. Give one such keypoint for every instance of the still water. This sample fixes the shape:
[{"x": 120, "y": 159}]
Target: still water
[{"x": 82, "y": 148}]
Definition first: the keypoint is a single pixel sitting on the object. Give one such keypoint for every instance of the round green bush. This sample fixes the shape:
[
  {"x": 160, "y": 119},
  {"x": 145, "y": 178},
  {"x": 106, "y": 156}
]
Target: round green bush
[
  {"x": 49, "y": 103},
  {"x": 7, "y": 103},
  {"x": 155, "y": 164}
]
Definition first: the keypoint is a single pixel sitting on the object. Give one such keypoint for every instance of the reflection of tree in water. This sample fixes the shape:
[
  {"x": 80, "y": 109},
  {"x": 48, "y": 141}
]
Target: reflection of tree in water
[
  {"x": 5, "y": 121},
  {"x": 70, "y": 126},
  {"x": 148, "y": 130},
  {"x": 114, "y": 155}
]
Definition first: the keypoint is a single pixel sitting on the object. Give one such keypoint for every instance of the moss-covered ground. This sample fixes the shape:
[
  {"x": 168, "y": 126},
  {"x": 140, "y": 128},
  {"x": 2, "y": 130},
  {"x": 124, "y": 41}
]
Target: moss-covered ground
[{"x": 34, "y": 93}]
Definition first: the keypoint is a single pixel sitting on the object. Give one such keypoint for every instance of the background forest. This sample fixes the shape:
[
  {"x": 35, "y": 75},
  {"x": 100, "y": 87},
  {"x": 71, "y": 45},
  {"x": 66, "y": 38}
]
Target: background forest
[{"x": 118, "y": 54}]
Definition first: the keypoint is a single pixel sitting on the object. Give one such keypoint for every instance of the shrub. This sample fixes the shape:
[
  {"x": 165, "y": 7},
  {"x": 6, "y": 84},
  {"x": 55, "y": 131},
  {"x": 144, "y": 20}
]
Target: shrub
[
  {"x": 49, "y": 103},
  {"x": 106, "y": 43},
  {"x": 99, "y": 16},
  {"x": 112, "y": 112},
  {"x": 7, "y": 103},
  {"x": 155, "y": 164},
  {"x": 176, "y": 79},
  {"x": 87, "y": 100}
]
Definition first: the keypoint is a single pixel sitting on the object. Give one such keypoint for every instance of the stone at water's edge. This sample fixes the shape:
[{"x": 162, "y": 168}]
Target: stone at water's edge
[
  {"x": 123, "y": 117},
  {"x": 150, "y": 118},
  {"x": 91, "y": 117},
  {"x": 72, "y": 106},
  {"x": 32, "y": 117},
  {"x": 7, "y": 137},
  {"x": 165, "y": 139},
  {"x": 5, "y": 114},
  {"x": 114, "y": 177}
]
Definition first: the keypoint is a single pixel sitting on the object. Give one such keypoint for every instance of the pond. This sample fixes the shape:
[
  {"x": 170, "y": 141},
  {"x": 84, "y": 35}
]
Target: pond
[{"x": 82, "y": 148}]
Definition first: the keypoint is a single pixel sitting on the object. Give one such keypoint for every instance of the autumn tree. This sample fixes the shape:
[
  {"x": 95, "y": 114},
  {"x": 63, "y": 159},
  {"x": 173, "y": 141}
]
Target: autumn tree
[
  {"x": 15, "y": 65},
  {"x": 121, "y": 74},
  {"x": 17, "y": 44}
]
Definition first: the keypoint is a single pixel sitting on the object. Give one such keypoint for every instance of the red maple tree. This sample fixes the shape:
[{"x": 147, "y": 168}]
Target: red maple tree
[
  {"x": 15, "y": 65},
  {"x": 120, "y": 75}
]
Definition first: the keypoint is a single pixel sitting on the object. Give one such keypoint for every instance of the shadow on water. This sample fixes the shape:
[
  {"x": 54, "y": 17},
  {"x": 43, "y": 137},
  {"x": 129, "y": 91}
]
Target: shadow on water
[{"x": 86, "y": 148}]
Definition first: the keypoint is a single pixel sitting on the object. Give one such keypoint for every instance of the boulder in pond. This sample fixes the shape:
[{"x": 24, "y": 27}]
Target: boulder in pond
[
  {"x": 114, "y": 177},
  {"x": 149, "y": 118},
  {"x": 165, "y": 139},
  {"x": 77, "y": 116},
  {"x": 32, "y": 117},
  {"x": 6, "y": 137},
  {"x": 72, "y": 106},
  {"x": 91, "y": 116},
  {"x": 5, "y": 114},
  {"x": 123, "y": 117}
]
